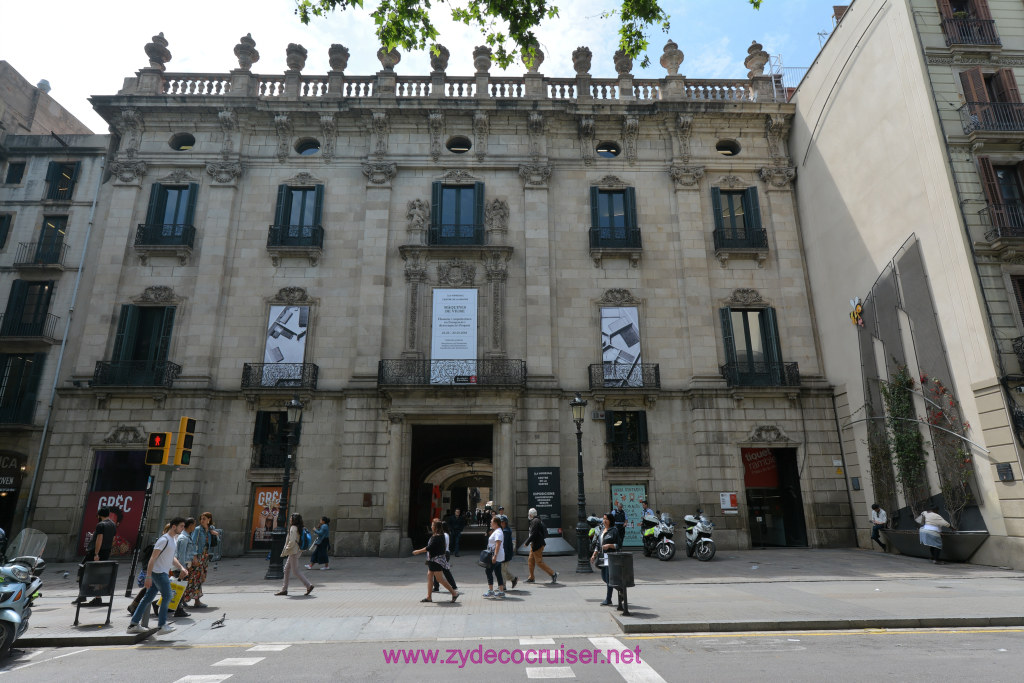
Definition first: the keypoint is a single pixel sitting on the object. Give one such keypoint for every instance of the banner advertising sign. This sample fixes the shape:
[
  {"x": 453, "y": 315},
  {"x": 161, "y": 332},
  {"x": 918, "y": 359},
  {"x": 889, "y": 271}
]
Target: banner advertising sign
[
  {"x": 544, "y": 492},
  {"x": 286, "y": 346},
  {"x": 760, "y": 469},
  {"x": 453, "y": 337},
  {"x": 620, "y": 343},
  {"x": 630, "y": 495},
  {"x": 266, "y": 500},
  {"x": 125, "y": 512}
]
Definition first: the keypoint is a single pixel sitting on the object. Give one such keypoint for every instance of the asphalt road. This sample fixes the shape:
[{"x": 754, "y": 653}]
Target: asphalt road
[{"x": 921, "y": 655}]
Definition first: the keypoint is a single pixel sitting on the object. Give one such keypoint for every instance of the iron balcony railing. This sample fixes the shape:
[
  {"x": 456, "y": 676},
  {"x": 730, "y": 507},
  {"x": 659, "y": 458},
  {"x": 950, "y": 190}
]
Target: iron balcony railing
[
  {"x": 615, "y": 238},
  {"x": 270, "y": 455},
  {"x": 135, "y": 373},
  {"x": 279, "y": 375},
  {"x": 751, "y": 238},
  {"x": 296, "y": 236},
  {"x": 1018, "y": 348},
  {"x": 625, "y": 375},
  {"x": 992, "y": 116},
  {"x": 470, "y": 234},
  {"x": 14, "y": 327},
  {"x": 491, "y": 372},
  {"x": 18, "y": 413},
  {"x": 761, "y": 374},
  {"x": 164, "y": 235},
  {"x": 628, "y": 455},
  {"x": 964, "y": 31},
  {"x": 1007, "y": 220},
  {"x": 36, "y": 254}
]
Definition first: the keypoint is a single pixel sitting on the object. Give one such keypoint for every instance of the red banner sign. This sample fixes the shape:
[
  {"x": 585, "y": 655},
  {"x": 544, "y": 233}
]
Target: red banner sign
[
  {"x": 125, "y": 512},
  {"x": 760, "y": 469}
]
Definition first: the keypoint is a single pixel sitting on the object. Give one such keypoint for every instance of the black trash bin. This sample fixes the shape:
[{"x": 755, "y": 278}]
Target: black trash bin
[
  {"x": 98, "y": 581},
  {"x": 620, "y": 577}
]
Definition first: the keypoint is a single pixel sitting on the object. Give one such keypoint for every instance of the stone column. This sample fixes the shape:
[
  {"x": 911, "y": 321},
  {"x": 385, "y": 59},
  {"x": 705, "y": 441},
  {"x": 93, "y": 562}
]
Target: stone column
[
  {"x": 372, "y": 248},
  {"x": 415, "y": 276},
  {"x": 391, "y": 535},
  {"x": 496, "y": 264},
  {"x": 504, "y": 466},
  {"x": 537, "y": 256}
]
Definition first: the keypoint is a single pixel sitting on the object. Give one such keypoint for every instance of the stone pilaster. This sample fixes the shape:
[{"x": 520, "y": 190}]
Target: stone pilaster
[
  {"x": 537, "y": 256},
  {"x": 391, "y": 535}
]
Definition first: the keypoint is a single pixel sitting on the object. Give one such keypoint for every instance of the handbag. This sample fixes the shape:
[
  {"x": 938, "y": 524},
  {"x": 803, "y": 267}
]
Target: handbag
[{"x": 485, "y": 558}]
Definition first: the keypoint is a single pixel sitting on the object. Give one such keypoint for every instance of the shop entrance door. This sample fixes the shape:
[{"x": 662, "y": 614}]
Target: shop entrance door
[{"x": 775, "y": 506}]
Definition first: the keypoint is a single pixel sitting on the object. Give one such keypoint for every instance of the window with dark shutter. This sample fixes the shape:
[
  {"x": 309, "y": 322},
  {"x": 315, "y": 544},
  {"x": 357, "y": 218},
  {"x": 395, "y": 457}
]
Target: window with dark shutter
[
  {"x": 298, "y": 216},
  {"x": 6, "y": 219},
  {"x": 27, "y": 308},
  {"x": 60, "y": 179},
  {"x": 457, "y": 214},
  {"x": 15, "y": 173},
  {"x": 270, "y": 439},
  {"x": 19, "y": 385},
  {"x": 1018, "y": 293},
  {"x": 737, "y": 216},
  {"x": 626, "y": 438},
  {"x": 613, "y": 218},
  {"x": 752, "y": 348},
  {"x": 50, "y": 248},
  {"x": 142, "y": 343}
]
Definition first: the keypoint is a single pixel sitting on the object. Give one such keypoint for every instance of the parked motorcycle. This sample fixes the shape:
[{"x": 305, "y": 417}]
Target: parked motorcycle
[
  {"x": 698, "y": 536},
  {"x": 657, "y": 535},
  {"x": 22, "y": 563}
]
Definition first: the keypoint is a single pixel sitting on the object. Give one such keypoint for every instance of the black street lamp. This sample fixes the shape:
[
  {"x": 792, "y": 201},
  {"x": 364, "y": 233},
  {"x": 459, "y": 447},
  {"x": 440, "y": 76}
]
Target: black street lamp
[
  {"x": 579, "y": 407},
  {"x": 275, "y": 570}
]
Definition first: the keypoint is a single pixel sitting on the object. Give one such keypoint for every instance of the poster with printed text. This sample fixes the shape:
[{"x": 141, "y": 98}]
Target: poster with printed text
[
  {"x": 285, "y": 349},
  {"x": 125, "y": 511},
  {"x": 620, "y": 346},
  {"x": 453, "y": 337},
  {"x": 630, "y": 495},
  {"x": 266, "y": 500}
]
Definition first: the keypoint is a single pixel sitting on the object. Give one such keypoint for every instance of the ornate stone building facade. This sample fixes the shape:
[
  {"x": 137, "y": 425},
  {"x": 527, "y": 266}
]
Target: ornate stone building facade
[{"x": 434, "y": 265}]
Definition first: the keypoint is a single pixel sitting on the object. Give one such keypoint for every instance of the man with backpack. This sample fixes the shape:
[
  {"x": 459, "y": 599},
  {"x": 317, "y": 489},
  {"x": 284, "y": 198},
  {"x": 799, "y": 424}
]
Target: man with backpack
[{"x": 538, "y": 532}]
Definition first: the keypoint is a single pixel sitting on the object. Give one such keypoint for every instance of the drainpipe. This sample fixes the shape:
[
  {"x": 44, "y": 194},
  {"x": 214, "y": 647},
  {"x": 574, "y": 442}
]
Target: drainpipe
[{"x": 37, "y": 466}]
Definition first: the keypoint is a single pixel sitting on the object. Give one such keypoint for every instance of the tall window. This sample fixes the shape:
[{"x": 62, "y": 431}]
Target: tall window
[
  {"x": 752, "y": 350},
  {"x": 6, "y": 219},
  {"x": 143, "y": 335},
  {"x": 299, "y": 209},
  {"x": 1004, "y": 193},
  {"x": 27, "y": 307},
  {"x": 737, "y": 218},
  {"x": 172, "y": 206},
  {"x": 626, "y": 437},
  {"x": 50, "y": 248},
  {"x": 19, "y": 384},
  {"x": 15, "y": 172},
  {"x": 60, "y": 179},
  {"x": 613, "y": 217},
  {"x": 270, "y": 438},
  {"x": 457, "y": 214}
]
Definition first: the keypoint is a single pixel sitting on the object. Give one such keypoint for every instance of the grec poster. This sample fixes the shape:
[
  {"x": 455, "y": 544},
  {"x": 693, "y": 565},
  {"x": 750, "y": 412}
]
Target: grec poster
[
  {"x": 544, "y": 488},
  {"x": 266, "y": 501}
]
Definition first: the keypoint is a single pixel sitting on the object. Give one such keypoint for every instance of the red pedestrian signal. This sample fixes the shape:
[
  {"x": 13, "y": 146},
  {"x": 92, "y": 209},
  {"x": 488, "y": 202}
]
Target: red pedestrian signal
[{"x": 159, "y": 448}]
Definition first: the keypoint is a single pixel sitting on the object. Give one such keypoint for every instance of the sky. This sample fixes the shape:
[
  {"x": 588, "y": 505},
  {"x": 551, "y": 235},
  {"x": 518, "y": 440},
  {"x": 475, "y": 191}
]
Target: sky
[{"x": 89, "y": 48}]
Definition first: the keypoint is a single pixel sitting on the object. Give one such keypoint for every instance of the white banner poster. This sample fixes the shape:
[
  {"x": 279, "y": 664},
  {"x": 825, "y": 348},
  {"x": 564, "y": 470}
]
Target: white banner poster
[
  {"x": 286, "y": 346},
  {"x": 453, "y": 337},
  {"x": 620, "y": 342}
]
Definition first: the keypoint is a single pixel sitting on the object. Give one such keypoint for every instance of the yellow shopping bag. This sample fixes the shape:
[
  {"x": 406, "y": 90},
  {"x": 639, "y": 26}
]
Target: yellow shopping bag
[{"x": 177, "y": 590}]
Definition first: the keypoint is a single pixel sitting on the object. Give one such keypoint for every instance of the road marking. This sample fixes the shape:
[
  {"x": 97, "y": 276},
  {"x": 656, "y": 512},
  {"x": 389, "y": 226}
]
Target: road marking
[
  {"x": 549, "y": 672},
  {"x": 239, "y": 661},
  {"x": 536, "y": 641},
  {"x": 43, "y": 661},
  {"x": 268, "y": 648},
  {"x": 852, "y": 632},
  {"x": 213, "y": 678},
  {"x": 637, "y": 672}
]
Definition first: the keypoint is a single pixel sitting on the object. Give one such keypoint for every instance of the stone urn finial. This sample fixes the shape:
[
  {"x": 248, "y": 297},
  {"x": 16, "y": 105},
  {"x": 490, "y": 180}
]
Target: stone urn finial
[
  {"x": 337, "y": 54},
  {"x": 533, "y": 62},
  {"x": 581, "y": 57},
  {"x": 295, "y": 57},
  {"x": 623, "y": 62},
  {"x": 482, "y": 59},
  {"x": 157, "y": 52},
  {"x": 388, "y": 60},
  {"x": 672, "y": 58},
  {"x": 439, "y": 62},
  {"x": 246, "y": 52},
  {"x": 756, "y": 59}
]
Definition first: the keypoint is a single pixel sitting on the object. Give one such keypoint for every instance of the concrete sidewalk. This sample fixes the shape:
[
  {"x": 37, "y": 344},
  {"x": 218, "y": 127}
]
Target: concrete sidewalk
[{"x": 369, "y": 599}]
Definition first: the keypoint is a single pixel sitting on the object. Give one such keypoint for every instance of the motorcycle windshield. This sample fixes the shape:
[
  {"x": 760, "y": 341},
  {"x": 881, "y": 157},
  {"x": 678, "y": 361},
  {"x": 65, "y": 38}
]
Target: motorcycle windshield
[{"x": 29, "y": 543}]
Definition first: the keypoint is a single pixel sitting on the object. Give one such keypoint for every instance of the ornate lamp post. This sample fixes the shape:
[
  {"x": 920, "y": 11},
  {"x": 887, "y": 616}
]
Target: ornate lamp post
[
  {"x": 275, "y": 570},
  {"x": 579, "y": 407}
]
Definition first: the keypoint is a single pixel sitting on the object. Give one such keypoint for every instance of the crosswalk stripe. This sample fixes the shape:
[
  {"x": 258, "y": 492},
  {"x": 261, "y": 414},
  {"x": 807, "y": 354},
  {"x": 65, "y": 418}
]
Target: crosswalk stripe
[
  {"x": 272, "y": 647},
  {"x": 549, "y": 672},
  {"x": 215, "y": 678},
  {"x": 239, "y": 661},
  {"x": 633, "y": 673},
  {"x": 536, "y": 641}
]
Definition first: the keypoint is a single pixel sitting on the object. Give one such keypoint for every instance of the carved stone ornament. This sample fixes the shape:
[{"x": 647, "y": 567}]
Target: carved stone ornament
[
  {"x": 535, "y": 126},
  {"x": 618, "y": 297},
  {"x": 586, "y": 133},
  {"x": 388, "y": 60},
  {"x": 533, "y": 62},
  {"x": 581, "y": 58},
  {"x": 482, "y": 59},
  {"x": 756, "y": 59},
  {"x": 776, "y": 128},
  {"x": 457, "y": 176},
  {"x": 768, "y": 434},
  {"x": 418, "y": 213},
  {"x": 435, "y": 121},
  {"x": 156, "y": 295},
  {"x": 129, "y": 171},
  {"x": 535, "y": 175},
  {"x": 123, "y": 435},
  {"x": 481, "y": 129},
  {"x": 415, "y": 266},
  {"x": 688, "y": 176},
  {"x": 496, "y": 216},
  {"x": 129, "y": 123},
  {"x": 228, "y": 121},
  {"x": 747, "y": 297},
  {"x": 295, "y": 57},
  {"x": 337, "y": 56},
  {"x": 380, "y": 173},
  {"x": 496, "y": 263},
  {"x": 732, "y": 181},
  {"x": 456, "y": 273},
  {"x": 302, "y": 179},
  {"x": 291, "y": 296},
  {"x": 329, "y": 131},
  {"x": 611, "y": 181},
  {"x": 380, "y": 132},
  {"x": 778, "y": 177},
  {"x": 246, "y": 52},
  {"x": 157, "y": 52},
  {"x": 284, "y": 130},
  {"x": 630, "y": 131},
  {"x": 671, "y": 58},
  {"x": 684, "y": 127},
  {"x": 178, "y": 175},
  {"x": 439, "y": 62},
  {"x": 224, "y": 171},
  {"x": 623, "y": 63}
]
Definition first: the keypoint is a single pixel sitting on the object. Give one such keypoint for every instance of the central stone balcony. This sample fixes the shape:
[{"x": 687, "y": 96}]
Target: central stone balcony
[{"x": 490, "y": 372}]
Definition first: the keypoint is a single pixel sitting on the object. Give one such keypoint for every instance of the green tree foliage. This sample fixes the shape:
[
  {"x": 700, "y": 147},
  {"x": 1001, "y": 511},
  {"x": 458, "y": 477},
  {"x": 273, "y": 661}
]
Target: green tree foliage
[{"x": 507, "y": 25}]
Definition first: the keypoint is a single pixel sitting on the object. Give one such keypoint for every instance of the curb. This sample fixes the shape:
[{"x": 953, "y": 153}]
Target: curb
[
  {"x": 70, "y": 640},
  {"x": 632, "y": 625}
]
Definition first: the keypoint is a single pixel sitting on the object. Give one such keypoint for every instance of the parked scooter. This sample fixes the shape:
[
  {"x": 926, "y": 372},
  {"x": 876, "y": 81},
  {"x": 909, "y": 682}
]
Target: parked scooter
[
  {"x": 698, "y": 536},
  {"x": 657, "y": 535},
  {"x": 19, "y": 584}
]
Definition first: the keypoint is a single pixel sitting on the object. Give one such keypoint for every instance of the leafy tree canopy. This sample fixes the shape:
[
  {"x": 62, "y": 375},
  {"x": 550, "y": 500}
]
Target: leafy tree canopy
[{"x": 507, "y": 25}]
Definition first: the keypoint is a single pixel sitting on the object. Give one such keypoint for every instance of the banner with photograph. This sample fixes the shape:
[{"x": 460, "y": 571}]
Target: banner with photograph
[
  {"x": 285, "y": 349},
  {"x": 620, "y": 344},
  {"x": 125, "y": 511},
  {"x": 630, "y": 495},
  {"x": 453, "y": 337},
  {"x": 266, "y": 500}
]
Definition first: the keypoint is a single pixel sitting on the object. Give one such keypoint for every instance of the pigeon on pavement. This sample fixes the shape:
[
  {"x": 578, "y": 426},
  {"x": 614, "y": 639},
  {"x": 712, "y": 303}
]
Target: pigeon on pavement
[{"x": 219, "y": 622}]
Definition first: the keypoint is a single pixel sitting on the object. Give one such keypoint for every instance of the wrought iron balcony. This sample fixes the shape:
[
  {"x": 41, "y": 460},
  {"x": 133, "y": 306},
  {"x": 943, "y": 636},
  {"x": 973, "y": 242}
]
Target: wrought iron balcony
[
  {"x": 615, "y": 238},
  {"x": 626, "y": 376},
  {"x": 492, "y": 372},
  {"x": 762, "y": 374},
  {"x": 965, "y": 31},
  {"x": 992, "y": 117},
  {"x": 270, "y": 455},
  {"x": 628, "y": 455},
  {"x": 1007, "y": 220},
  {"x": 19, "y": 413},
  {"x": 296, "y": 236},
  {"x": 35, "y": 255},
  {"x": 1018, "y": 348},
  {"x": 751, "y": 238},
  {"x": 43, "y": 329},
  {"x": 164, "y": 235},
  {"x": 470, "y": 234},
  {"x": 135, "y": 373},
  {"x": 279, "y": 375}
]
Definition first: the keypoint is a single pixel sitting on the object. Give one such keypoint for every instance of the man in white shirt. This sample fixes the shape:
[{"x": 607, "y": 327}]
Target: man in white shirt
[
  {"x": 878, "y": 520},
  {"x": 158, "y": 577}
]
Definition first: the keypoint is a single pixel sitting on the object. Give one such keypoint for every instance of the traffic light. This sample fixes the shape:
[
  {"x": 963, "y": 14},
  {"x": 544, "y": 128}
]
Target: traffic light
[
  {"x": 183, "y": 449},
  {"x": 159, "y": 448}
]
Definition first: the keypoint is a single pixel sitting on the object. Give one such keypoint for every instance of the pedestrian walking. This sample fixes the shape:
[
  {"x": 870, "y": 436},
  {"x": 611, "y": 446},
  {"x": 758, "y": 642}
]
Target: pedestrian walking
[
  {"x": 321, "y": 546},
  {"x": 202, "y": 537},
  {"x": 495, "y": 545},
  {"x": 930, "y": 535},
  {"x": 456, "y": 523},
  {"x": 878, "y": 521},
  {"x": 510, "y": 550},
  {"x": 98, "y": 548},
  {"x": 605, "y": 541},
  {"x": 538, "y": 532},
  {"x": 448, "y": 556},
  {"x": 291, "y": 552},
  {"x": 184, "y": 552},
  {"x": 158, "y": 578},
  {"x": 437, "y": 562}
]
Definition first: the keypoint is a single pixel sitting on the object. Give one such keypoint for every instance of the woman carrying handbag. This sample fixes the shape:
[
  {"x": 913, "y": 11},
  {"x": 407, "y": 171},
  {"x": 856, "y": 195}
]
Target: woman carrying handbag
[
  {"x": 605, "y": 541},
  {"x": 436, "y": 562}
]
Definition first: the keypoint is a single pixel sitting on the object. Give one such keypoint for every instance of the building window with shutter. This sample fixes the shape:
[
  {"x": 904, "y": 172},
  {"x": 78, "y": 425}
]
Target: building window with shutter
[
  {"x": 626, "y": 438},
  {"x": 60, "y": 179},
  {"x": 170, "y": 216},
  {"x": 6, "y": 220},
  {"x": 993, "y": 101},
  {"x": 613, "y": 221},
  {"x": 752, "y": 349},
  {"x": 15, "y": 173},
  {"x": 270, "y": 439},
  {"x": 141, "y": 346},
  {"x": 298, "y": 217},
  {"x": 27, "y": 312},
  {"x": 737, "y": 219},
  {"x": 457, "y": 214},
  {"x": 1004, "y": 195},
  {"x": 19, "y": 385},
  {"x": 51, "y": 247},
  {"x": 967, "y": 22}
]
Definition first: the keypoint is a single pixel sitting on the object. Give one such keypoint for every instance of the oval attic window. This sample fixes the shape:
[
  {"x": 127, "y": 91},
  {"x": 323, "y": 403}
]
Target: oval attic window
[
  {"x": 182, "y": 142},
  {"x": 608, "y": 149},
  {"x": 459, "y": 144},
  {"x": 728, "y": 148},
  {"x": 307, "y": 146}
]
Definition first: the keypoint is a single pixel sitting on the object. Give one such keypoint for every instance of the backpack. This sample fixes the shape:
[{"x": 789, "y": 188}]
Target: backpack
[{"x": 305, "y": 540}]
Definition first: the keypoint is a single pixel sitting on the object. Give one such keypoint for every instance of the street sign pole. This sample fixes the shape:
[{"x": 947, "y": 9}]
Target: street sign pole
[{"x": 142, "y": 534}]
